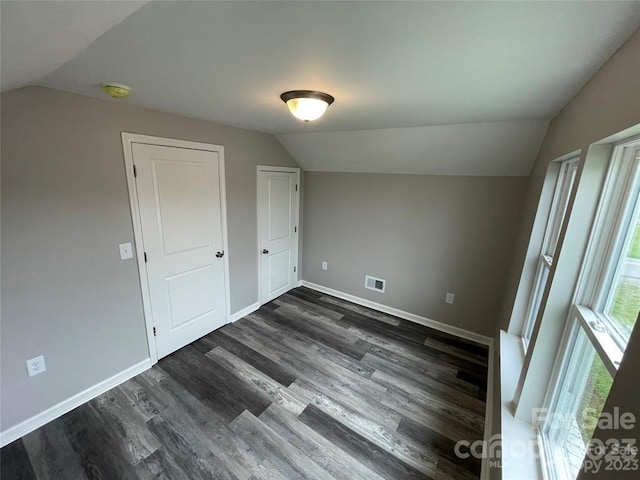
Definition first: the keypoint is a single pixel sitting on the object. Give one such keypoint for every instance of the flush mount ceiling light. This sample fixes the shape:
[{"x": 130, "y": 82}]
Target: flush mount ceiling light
[
  {"x": 116, "y": 90},
  {"x": 307, "y": 105}
]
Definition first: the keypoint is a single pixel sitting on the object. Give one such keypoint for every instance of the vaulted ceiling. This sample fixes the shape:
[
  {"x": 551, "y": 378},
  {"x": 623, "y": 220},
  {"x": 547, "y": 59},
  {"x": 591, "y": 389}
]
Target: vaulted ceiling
[
  {"x": 463, "y": 88},
  {"x": 38, "y": 37}
]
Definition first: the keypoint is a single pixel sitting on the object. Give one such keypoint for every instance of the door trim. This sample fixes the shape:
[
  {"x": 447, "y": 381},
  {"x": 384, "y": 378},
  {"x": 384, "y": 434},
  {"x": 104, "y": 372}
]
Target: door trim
[
  {"x": 268, "y": 168},
  {"x": 128, "y": 139}
]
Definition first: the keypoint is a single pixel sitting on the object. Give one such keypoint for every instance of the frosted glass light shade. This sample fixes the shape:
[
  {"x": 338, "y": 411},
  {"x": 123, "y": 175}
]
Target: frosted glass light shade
[
  {"x": 307, "y": 105},
  {"x": 307, "y": 109}
]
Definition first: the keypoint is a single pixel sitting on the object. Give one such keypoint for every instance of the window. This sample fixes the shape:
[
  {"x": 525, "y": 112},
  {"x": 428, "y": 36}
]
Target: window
[
  {"x": 618, "y": 296},
  {"x": 582, "y": 390},
  {"x": 608, "y": 302},
  {"x": 557, "y": 214}
]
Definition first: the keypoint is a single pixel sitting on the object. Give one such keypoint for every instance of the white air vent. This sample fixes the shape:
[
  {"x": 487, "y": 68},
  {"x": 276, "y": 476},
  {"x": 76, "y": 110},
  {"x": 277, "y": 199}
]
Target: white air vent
[{"x": 373, "y": 283}]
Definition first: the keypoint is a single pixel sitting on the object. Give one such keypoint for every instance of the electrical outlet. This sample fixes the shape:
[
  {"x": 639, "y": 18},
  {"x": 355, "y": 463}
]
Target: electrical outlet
[
  {"x": 449, "y": 298},
  {"x": 36, "y": 366},
  {"x": 325, "y": 265},
  {"x": 126, "y": 251}
]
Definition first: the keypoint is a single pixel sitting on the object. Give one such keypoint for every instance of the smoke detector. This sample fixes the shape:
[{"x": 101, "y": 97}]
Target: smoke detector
[{"x": 116, "y": 90}]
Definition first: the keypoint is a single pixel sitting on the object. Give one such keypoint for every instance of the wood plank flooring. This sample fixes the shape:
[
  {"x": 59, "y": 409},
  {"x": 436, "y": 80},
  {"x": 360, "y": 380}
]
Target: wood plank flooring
[{"x": 307, "y": 387}]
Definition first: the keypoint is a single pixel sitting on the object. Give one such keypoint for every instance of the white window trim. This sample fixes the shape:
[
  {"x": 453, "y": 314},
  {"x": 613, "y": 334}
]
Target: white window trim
[
  {"x": 618, "y": 245},
  {"x": 608, "y": 349},
  {"x": 569, "y": 345},
  {"x": 513, "y": 429},
  {"x": 560, "y": 196},
  {"x": 605, "y": 226},
  {"x": 594, "y": 279},
  {"x": 537, "y": 291},
  {"x": 578, "y": 320},
  {"x": 607, "y": 242},
  {"x": 553, "y": 227}
]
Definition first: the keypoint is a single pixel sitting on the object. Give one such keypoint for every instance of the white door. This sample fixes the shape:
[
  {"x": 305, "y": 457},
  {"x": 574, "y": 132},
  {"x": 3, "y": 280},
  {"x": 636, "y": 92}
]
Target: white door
[
  {"x": 278, "y": 230},
  {"x": 179, "y": 199}
]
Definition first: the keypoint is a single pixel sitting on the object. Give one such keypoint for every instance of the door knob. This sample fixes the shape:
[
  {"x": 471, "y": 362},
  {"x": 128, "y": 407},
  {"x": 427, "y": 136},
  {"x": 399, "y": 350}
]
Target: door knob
[
  {"x": 265, "y": 251},
  {"x": 220, "y": 254}
]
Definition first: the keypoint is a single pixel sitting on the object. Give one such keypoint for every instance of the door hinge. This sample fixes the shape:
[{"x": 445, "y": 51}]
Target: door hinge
[
  {"x": 145, "y": 257},
  {"x": 135, "y": 171},
  {"x": 155, "y": 334},
  {"x": 295, "y": 229},
  {"x": 296, "y": 187},
  {"x": 294, "y": 269}
]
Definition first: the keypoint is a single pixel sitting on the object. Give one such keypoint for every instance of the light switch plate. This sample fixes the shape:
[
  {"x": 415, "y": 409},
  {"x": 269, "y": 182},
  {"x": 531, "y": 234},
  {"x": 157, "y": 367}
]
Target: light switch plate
[
  {"x": 324, "y": 265},
  {"x": 126, "y": 251}
]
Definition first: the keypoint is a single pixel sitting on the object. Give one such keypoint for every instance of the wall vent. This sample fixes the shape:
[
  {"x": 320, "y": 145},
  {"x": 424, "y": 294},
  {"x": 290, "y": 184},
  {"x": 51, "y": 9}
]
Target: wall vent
[{"x": 373, "y": 283}]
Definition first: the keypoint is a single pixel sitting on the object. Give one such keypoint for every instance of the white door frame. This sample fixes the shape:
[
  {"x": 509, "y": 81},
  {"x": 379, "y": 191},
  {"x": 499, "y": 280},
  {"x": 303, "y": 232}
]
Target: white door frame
[
  {"x": 268, "y": 168},
  {"x": 128, "y": 139}
]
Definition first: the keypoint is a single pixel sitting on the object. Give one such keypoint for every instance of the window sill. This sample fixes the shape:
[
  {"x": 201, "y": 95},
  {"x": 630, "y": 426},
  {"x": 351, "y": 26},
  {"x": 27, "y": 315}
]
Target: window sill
[{"x": 518, "y": 436}]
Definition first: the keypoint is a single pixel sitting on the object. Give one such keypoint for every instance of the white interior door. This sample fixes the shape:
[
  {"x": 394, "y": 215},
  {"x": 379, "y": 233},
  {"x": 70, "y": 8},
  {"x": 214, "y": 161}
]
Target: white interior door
[
  {"x": 278, "y": 230},
  {"x": 179, "y": 200}
]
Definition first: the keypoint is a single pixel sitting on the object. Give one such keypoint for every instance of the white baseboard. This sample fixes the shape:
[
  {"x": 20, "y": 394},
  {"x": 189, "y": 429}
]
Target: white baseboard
[
  {"x": 37, "y": 421},
  {"x": 244, "y": 312},
  {"x": 427, "y": 322}
]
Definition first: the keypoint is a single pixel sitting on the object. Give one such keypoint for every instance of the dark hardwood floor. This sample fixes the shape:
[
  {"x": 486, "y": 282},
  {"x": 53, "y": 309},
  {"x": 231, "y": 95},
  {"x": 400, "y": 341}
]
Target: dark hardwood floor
[{"x": 309, "y": 386}]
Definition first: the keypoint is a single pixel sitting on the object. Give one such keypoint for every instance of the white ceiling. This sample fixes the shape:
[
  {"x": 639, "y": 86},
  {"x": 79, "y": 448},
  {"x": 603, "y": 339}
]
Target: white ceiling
[
  {"x": 37, "y": 37},
  {"x": 390, "y": 65},
  {"x": 486, "y": 148}
]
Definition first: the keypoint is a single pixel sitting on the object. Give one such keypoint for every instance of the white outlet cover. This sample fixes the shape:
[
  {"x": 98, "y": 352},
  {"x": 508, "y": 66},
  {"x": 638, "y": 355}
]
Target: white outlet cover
[
  {"x": 126, "y": 251},
  {"x": 449, "y": 298},
  {"x": 36, "y": 366},
  {"x": 324, "y": 265}
]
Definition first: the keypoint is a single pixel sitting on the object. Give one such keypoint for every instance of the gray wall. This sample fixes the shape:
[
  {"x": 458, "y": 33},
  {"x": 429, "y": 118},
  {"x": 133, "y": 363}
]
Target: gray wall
[
  {"x": 425, "y": 235},
  {"x": 65, "y": 292}
]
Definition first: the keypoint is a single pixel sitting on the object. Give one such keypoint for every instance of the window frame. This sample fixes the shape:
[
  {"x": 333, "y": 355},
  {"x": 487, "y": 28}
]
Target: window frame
[
  {"x": 561, "y": 195},
  {"x": 617, "y": 242},
  {"x": 606, "y": 246},
  {"x": 557, "y": 215},
  {"x": 568, "y": 365},
  {"x": 540, "y": 283}
]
